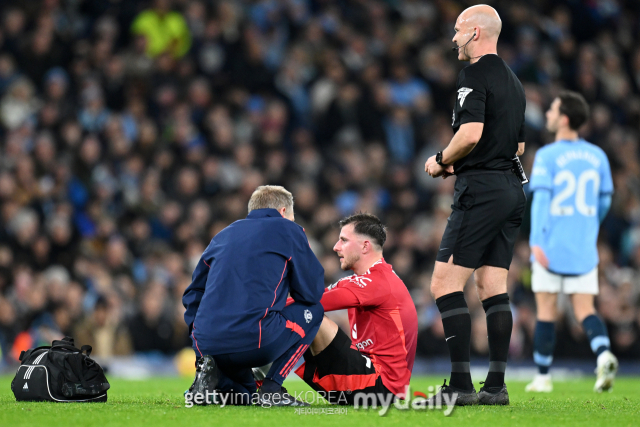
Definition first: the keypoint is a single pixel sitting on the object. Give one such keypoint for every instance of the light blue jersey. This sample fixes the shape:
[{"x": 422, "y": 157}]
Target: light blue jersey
[{"x": 576, "y": 174}]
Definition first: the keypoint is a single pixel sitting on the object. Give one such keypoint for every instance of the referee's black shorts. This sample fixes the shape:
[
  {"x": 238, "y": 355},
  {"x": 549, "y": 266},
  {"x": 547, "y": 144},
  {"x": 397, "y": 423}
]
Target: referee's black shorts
[{"x": 488, "y": 207}]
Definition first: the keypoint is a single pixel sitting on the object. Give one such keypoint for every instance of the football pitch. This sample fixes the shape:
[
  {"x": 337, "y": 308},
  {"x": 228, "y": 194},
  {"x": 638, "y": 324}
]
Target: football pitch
[{"x": 160, "y": 402}]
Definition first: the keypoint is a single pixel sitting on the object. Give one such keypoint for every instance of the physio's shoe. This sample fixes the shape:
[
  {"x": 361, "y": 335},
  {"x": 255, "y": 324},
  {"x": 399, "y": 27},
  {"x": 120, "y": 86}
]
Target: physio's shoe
[
  {"x": 541, "y": 384},
  {"x": 493, "y": 395},
  {"x": 606, "y": 372},
  {"x": 462, "y": 397},
  {"x": 206, "y": 379},
  {"x": 278, "y": 398}
]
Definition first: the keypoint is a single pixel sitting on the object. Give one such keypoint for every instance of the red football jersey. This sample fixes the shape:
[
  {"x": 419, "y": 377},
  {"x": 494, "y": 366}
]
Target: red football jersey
[{"x": 385, "y": 324}]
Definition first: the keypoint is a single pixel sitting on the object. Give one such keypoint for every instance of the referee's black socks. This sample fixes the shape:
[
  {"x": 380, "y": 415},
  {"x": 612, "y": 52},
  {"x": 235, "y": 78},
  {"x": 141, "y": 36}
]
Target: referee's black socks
[
  {"x": 499, "y": 326},
  {"x": 457, "y": 328}
]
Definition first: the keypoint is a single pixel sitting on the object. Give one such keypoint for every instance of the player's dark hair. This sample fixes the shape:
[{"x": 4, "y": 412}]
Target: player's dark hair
[
  {"x": 575, "y": 107},
  {"x": 368, "y": 225}
]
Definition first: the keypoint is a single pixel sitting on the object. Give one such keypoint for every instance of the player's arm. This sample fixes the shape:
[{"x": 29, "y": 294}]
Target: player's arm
[
  {"x": 335, "y": 299},
  {"x": 539, "y": 217},
  {"x": 194, "y": 292},
  {"x": 339, "y": 299},
  {"x": 606, "y": 188},
  {"x": 541, "y": 185},
  {"x": 520, "y": 149},
  {"x": 604, "y": 203}
]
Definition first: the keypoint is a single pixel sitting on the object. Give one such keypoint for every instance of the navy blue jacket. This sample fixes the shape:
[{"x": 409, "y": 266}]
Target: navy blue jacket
[{"x": 242, "y": 280}]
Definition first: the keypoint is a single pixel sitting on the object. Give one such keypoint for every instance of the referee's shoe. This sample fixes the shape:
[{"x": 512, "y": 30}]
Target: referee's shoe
[
  {"x": 493, "y": 395},
  {"x": 462, "y": 397}
]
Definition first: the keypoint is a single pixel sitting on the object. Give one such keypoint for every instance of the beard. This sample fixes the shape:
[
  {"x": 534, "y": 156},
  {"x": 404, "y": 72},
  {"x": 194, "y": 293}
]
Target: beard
[{"x": 349, "y": 262}]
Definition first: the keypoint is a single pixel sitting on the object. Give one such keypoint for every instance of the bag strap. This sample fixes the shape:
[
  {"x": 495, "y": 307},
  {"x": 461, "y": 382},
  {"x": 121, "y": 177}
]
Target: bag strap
[
  {"x": 65, "y": 347},
  {"x": 64, "y": 341},
  {"x": 86, "y": 349},
  {"x": 25, "y": 354},
  {"x": 76, "y": 364}
]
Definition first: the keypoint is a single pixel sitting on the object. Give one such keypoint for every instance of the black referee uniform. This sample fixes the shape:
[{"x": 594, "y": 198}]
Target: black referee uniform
[{"x": 489, "y": 201}]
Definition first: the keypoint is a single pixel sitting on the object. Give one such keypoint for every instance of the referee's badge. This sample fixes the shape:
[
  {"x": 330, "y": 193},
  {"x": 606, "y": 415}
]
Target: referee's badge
[{"x": 462, "y": 94}]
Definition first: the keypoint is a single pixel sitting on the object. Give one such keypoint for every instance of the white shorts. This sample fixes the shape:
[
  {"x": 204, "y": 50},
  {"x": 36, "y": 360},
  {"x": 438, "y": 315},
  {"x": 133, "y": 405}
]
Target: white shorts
[{"x": 542, "y": 280}]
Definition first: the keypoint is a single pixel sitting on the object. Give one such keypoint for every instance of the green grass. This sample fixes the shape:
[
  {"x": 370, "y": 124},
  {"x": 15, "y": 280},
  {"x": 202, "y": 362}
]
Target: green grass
[{"x": 159, "y": 402}]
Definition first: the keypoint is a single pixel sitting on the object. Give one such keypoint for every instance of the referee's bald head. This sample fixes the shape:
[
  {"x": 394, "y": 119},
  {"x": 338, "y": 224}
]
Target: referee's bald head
[{"x": 484, "y": 17}]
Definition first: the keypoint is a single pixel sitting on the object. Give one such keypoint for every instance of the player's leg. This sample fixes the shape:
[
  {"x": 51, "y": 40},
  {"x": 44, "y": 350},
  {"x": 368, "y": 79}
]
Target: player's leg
[
  {"x": 338, "y": 369},
  {"x": 594, "y": 327},
  {"x": 326, "y": 334},
  {"x": 544, "y": 341},
  {"x": 583, "y": 290},
  {"x": 546, "y": 286}
]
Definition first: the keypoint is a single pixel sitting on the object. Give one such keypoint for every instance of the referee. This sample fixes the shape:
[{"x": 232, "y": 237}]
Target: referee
[{"x": 488, "y": 204}]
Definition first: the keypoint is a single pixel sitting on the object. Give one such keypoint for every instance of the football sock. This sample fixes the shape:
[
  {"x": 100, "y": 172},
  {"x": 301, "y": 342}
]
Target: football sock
[
  {"x": 544, "y": 342},
  {"x": 456, "y": 322},
  {"x": 596, "y": 331},
  {"x": 499, "y": 326}
]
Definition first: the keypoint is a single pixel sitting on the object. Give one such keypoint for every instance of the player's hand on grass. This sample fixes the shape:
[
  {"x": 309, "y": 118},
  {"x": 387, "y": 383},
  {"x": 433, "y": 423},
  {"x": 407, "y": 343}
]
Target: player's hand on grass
[{"x": 540, "y": 256}]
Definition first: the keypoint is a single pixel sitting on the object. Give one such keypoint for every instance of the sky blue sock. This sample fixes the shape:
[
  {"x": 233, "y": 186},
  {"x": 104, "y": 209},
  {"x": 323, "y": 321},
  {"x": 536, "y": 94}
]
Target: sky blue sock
[
  {"x": 544, "y": 342},
  {"x": 596, "y": 331}
]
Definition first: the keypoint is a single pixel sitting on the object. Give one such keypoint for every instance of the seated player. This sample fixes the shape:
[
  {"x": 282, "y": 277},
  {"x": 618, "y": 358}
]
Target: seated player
[
  {"x": 235, "y": 305},
  {"x": 384, "y": 325}
]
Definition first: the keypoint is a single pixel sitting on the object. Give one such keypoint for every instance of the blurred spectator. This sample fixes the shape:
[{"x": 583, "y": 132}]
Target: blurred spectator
[
  {"x": 103, "y": 330},
  {"x": 164, "y": 30}
]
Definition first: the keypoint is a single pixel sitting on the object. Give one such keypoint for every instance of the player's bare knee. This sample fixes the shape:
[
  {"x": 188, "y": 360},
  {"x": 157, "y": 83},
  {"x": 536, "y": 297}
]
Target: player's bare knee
[
  {"x": 324, "y": 337},
  {"x": 546, "y": 306}
]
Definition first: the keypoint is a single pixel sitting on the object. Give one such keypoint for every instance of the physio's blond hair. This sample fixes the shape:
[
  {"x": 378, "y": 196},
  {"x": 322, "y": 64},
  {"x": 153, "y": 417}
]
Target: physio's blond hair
[{"x": 271, "y": 196}]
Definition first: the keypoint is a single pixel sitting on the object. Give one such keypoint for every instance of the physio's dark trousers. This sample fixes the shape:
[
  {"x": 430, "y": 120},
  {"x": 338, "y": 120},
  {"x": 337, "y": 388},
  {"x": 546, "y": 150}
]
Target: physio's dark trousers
[{"x": 302, "y": 324}]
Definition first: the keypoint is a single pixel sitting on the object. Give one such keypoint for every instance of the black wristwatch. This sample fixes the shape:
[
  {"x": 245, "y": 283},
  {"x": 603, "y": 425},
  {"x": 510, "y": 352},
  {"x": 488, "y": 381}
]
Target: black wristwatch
[{"x": 439, "y": 159}]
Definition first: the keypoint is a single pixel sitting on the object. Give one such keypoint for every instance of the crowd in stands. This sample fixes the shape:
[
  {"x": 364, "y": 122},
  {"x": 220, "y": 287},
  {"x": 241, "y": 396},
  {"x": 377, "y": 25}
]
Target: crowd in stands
[{"x": 131, "y": 132}]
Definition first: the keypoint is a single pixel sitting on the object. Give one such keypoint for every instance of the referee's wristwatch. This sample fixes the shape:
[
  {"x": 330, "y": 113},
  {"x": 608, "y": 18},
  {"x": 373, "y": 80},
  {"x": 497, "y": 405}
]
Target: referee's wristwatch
[{"x": 439, "y": 159}]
